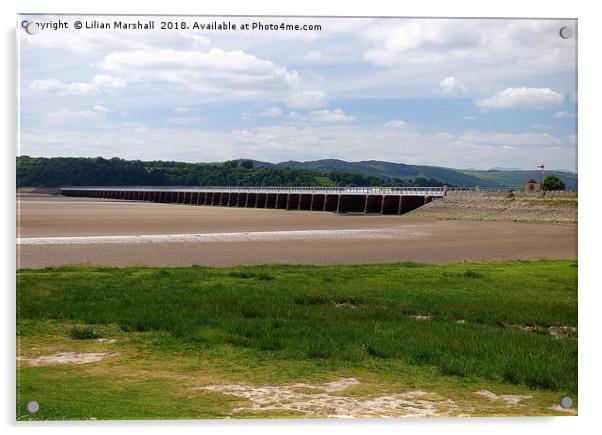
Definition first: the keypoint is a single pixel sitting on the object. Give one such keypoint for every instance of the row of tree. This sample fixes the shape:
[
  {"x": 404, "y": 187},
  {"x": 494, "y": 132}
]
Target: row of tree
[{"x": 79, "y": 171}]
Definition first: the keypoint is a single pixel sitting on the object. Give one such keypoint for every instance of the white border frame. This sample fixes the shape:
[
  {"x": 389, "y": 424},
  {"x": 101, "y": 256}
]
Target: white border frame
[{"x": 589, "y": 74}]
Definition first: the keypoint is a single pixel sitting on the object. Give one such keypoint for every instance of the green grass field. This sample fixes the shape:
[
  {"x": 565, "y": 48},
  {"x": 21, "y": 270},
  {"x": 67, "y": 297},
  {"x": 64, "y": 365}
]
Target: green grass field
[{"x": 449, "y": 332}]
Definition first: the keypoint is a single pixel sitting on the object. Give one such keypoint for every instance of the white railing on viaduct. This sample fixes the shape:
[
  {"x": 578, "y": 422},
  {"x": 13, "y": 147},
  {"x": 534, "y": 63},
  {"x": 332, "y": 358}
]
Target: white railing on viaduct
[{"x": 406, "y": 191}]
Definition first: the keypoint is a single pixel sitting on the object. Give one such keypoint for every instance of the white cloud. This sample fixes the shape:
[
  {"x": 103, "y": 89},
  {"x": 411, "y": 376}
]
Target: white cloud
[
  {"x": 87, "y": 113},
  {"x": 107, "y": 81},
  {"x": 186, "y": 120},
  {"x": 451, "y": 84},
  {"x": 272, "y": 112},
  {"x": 397, "y": 123},
  {"x": 325, "y": 115},
  {"x": 307, "y": 142},
  {"x": 420, "y": 42},
  {"x": 330, "y": 57},
  {"x": 74, "y": 118},
  {"x": 312, "y": 55},
  {"x": 525, "y": 44},
  {"x": 100, "y": 83},
  {"x": 564, "y": 114},
  {"x": 487, "y": 55},
  {"x": 469, "y": 117},
  {"x": 522, "y": 97},
  {"x": 100, "y": 108},
  {"x": 307, "y": 100},
  {"x": 516, "y": 139},
  {"x": 181, "y": 109},
  {"x": 216, "y": 71}
]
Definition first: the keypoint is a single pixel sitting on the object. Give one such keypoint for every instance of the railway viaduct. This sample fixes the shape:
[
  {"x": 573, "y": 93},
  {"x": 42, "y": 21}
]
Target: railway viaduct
[{"x": 382, "y": 200}]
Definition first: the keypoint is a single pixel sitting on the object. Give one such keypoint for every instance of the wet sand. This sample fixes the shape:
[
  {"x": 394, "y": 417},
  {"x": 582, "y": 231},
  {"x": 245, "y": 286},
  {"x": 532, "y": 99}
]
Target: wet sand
[{"x": 57, "y": 231}]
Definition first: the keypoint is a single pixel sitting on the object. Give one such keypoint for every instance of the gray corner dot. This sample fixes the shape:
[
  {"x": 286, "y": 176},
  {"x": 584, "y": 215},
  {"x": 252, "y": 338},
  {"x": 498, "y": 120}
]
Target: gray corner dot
[
  {"x": 566, "y": 402},
  {"x": 566, "y": 32},
  {"x": 32, "y": 28},
  {"x": 32, "y": 406}
]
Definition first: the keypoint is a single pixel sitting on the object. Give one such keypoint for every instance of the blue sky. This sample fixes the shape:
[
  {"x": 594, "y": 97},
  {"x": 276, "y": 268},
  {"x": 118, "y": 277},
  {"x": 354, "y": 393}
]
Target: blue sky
[{"x": 455, "y": 93}]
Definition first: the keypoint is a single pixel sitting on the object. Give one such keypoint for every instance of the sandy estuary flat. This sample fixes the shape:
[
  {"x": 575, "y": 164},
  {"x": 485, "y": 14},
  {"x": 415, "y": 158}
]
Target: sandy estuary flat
[{"x": 54, "y": 231}]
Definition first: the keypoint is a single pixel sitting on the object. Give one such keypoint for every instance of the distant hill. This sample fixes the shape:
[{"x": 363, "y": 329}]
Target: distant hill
[
  {"x": 385, "y": 170},
  {"x": 456, "y": 177},
  {"x": 501, "y": 168}
]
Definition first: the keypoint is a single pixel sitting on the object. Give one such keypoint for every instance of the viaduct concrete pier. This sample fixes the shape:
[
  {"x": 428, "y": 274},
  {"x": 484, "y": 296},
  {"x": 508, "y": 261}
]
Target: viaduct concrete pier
[{"x": 380, "y": 200}]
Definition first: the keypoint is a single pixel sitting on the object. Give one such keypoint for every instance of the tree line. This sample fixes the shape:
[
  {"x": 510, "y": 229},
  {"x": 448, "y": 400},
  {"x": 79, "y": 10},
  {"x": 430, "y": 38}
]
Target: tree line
[{"x": 80, "y": 171}]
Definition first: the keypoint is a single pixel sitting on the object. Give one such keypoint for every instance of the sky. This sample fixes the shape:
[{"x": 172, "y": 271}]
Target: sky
[{"x": 461, "y": 93}]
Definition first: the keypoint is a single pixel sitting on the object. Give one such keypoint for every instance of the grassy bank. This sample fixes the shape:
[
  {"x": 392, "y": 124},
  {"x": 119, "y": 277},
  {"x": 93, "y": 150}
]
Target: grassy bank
[{"x": 452, "y": 329}]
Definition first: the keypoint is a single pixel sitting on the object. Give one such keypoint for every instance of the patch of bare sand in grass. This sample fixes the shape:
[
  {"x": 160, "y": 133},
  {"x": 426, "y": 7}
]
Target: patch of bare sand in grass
[
  {"x": 67, "y": 358},
  {"x": 559, "y": 408},
  {"x": 316, "y": 400},
  {"x": 510, "y": 399},
  {"x": 345, "y": 305},
  {"x": 556, "y": 331},
  {"x": 562, "y": 331}
]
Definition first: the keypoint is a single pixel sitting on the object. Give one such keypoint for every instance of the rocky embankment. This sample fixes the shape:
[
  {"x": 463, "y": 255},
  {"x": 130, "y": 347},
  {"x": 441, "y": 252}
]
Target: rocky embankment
[{"x": 554, "y": 207}]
